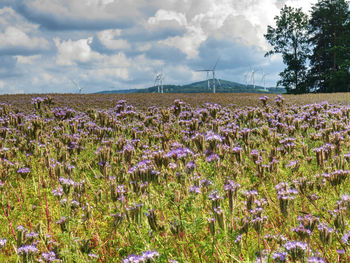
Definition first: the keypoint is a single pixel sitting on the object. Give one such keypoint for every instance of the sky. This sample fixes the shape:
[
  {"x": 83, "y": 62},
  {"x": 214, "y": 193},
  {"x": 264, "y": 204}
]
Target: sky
[{"x": 54, "y": 46}]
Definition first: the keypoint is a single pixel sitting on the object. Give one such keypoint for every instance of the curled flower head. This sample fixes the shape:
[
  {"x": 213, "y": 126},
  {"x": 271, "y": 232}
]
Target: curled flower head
[
  {"x": 315, "y": 260},
  {"x": 3, "y": 242},
  {"x": 27, "y": 249},
  {"x": 280, "y": 256}
]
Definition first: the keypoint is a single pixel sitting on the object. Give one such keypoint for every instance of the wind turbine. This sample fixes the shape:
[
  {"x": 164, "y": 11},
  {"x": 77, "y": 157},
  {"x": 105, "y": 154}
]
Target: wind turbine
[
  {"x": 253, "y": 71},
  {"x": 77, "y": 85},
  {"x": 263, "y": 79},
  {"x": 214, "y": 79},
  {"x": 246, "y": 76},
  {"x": 159, "y": 82},
  {"x": 208, "y": 72},
  {"x": 213, "y": 71},
  {"x": 252, "y": 77}
]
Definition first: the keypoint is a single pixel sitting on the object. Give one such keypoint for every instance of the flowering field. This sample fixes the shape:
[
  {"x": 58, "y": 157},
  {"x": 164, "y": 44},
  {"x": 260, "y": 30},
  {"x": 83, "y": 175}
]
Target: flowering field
[
  {"x": 178, "y": 183},
  {"x": 83, "y": 102}
]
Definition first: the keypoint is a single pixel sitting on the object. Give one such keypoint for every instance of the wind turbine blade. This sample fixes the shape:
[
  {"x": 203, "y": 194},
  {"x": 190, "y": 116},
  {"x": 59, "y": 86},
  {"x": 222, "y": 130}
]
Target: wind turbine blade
[
  {"x": 216, "y": 63},
  {"x": 75, "y": 84},
  {"x": 219, "y": 82}
]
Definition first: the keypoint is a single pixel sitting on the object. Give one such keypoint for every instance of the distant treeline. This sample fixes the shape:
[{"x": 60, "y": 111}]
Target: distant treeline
[
  {"x": 315, "y": 48},
  {"x": 225, "y": 86}
]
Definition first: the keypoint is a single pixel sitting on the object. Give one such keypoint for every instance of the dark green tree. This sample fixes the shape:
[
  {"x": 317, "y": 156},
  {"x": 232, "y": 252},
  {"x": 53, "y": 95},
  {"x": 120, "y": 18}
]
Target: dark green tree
[
  {"x": 329, "y": 32},
  {"x": 290, "y": 39}
]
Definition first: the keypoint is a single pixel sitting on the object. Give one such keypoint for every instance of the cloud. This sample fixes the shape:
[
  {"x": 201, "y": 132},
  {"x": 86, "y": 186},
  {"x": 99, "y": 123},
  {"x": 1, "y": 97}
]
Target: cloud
[
  {"x": 243, "y": 21},
  {"x": 189, "y": 42},
  {"x": 107, "y": 38},
  {"x": 72, "y": 52},
  {"x": 160, "y": 51},
  {"x": 8, "y": 67},
  {"x": 27, "y": 59},
  {"x": 81, "y": 14},
  {"x": 17, "y": 36},
  {"x": 119, "y": 60},
  {"x": 121, "y": 73},
  {"x": 121, "y": 44},
  {"x": 13, "y": 37},
  {"x": 166, "y": 15},
  {"x": 9, "y": 88}
]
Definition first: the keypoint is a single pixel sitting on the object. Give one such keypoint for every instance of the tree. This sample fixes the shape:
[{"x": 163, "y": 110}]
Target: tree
[
  {"x": 330, "y": 40},
  {"x": 290, "y": 39}
]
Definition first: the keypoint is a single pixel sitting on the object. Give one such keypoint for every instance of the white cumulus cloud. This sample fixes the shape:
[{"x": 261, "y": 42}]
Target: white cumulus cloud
[
  {"x": 28, "y": 59},
  {"x": 108, "y": 39},
  {"x": 168, "y": 15},
  {"x": 70, "y": 52}
]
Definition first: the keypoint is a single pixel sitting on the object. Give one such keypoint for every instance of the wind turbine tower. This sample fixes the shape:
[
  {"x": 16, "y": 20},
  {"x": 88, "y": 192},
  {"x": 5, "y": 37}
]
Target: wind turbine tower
[
  {"x": 213, "y": 71},
  {"x": 208, "y": 72},
  {"x": 246, "y": 77},
  {"x": 252, "y": 78},
  {"x": 159, "y": 82},
  {"x": 263, "y": 79}
]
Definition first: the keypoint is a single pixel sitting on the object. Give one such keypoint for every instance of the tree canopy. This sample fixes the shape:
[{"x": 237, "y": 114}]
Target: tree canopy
[{"x": 315, "y": 49}]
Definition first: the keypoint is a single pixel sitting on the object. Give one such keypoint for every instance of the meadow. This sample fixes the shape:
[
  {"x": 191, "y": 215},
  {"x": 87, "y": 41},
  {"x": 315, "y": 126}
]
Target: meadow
[{"x": 173, "y": 178}]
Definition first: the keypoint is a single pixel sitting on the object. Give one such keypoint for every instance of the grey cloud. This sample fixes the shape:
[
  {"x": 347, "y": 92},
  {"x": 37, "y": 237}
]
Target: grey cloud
[
  {"x": 97, "y": 46},
  {"x": 52, "y": 22},
  {"x": 12, "y": 51},
  {"x": 235, "y": 60},
  {"x": 144, "y": 34},
  {"x": 116, "y": 15},
  {"x": 8, "y": 67},
  {"x": 164, "y": 52},
  {"x": 232, "y": 54}
]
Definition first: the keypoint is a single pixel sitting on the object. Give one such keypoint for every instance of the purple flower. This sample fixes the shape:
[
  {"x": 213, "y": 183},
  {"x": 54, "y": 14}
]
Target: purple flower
[
  {"x": 302, "y": 231},
  {"x": 206, "y": 183},
  {"x": 172, "y": 165},
  {"x": 150, "y": 255},
  {"x": 48, "y": 257},
  {"x": 296, "y": 249},
  {"x": 27, "y": 249},
  {"x": 212, "y": 157},
  {"x": 24, "y": 170},
  {"x": 31, "y": 235},
  {"x": 264, "y": 98},
  {"x": 194, "y": 189},
  {"x": 58, "y": 192},
  {"x": 66, "y": 181},
  {"x": 279, "y": 256},
  {"x": 238, "y": 239},
  {"x": 315, "y": 260},
  {"x": 3, "y": 242},
  {"x": 92, "y": 255},
  {"x": 190, "y": 166},
  {"x": 62, "y": 220},
  {"x": 212, "y": 137},
  {"x": 346, "y": 238},
  {"x": 21, "y": 228},
  {"x": 147, "y": 256},
  {"x": 231, "y": 186},
  {"x": 214, "y": 196}
]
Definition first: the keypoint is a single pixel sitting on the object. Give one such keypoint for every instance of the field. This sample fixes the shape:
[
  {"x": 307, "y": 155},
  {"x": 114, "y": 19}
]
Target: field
[
  {"x": 175, "y": 178},
  {"x": 142, "y": 101}
]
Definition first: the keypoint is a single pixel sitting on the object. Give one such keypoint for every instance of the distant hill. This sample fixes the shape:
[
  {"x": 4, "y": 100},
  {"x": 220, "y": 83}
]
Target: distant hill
[{"x": 202, "y": 87}]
